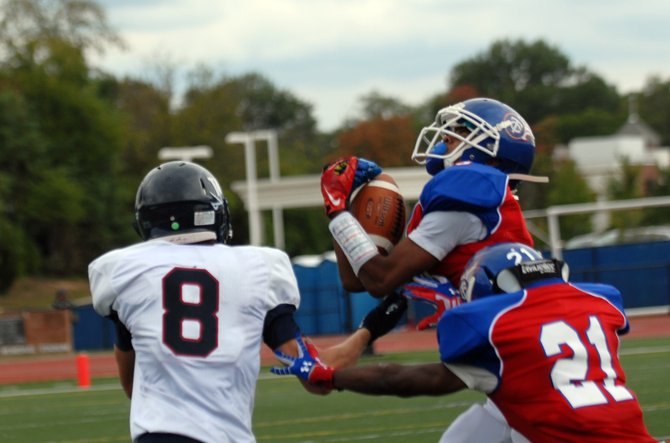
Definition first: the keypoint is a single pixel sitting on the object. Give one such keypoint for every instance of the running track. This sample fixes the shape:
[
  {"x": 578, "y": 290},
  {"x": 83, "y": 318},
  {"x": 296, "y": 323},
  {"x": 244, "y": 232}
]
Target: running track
[{"x": 55, "y": 368}]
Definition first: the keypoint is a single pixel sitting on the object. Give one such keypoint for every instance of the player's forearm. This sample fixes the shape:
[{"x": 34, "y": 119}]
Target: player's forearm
[
  {"x": 125, "y": 361},
  {"x": 398, "y": 380},
  {"x": 350, "y": 282},
  {"x": 382, "y": 379},
  {"x": 346, "y": 354}
]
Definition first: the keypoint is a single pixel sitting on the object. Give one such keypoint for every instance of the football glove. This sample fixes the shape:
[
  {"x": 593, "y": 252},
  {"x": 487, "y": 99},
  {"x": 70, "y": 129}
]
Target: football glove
[
  {"x": 341, "y": 177},
  {"x": 385, "y": 316},
  {"x": 438, "y": 292},
  {"x": 307, "y": 366}
]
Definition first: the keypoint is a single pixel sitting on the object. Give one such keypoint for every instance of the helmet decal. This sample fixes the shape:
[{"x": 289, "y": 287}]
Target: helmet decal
[{"x": 515, "y": 127}]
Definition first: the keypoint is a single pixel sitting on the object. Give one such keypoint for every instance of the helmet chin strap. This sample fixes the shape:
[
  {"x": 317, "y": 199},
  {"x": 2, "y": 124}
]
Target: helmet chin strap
[
  {"x": 186, "y": 238},
  {"x": 529, "y": 178}
]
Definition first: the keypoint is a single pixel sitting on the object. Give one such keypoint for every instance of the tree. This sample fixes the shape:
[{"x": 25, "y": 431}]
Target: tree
[
  {"x": 374, "y": 105},
  {"x": 534, "y": 78},
  {"x": 661, "y": 187},
  {"x": 384, "y": 132},
  {"x": 654, "y": 107},
  {"x": 213, "y": 108},
  {"x": 61, "y": 139},
  {"x": 21, "y": 149},
  {"x": 27, "y": 26},
  {"x": 570, "y": 187}
]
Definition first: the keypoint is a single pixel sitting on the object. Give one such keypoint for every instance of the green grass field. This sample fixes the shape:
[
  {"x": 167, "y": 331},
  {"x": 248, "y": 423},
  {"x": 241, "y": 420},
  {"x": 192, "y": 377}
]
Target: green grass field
[{"x": 285, "y": 413}]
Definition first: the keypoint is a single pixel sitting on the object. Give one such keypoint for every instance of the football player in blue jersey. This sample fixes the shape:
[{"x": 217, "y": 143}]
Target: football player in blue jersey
[{"x": 476, "y": 151}]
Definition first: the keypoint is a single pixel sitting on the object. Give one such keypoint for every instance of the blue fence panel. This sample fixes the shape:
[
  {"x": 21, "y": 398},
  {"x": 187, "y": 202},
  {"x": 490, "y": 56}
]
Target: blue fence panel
[
  {"x": 306, "y": 315},
  {"x": 361, "y": 303},
  {"x": 641, "y": 271},
  {"x": 334, "y": 316},
  {"x": 91, "y": 331}
]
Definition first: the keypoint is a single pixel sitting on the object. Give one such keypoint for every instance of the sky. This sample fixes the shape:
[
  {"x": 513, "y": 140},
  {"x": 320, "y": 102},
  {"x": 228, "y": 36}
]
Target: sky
[{"x": 329, "y": 53}]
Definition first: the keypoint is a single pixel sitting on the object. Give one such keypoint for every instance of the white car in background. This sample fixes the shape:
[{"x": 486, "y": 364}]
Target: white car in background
[{"x": 618, "y": 236}]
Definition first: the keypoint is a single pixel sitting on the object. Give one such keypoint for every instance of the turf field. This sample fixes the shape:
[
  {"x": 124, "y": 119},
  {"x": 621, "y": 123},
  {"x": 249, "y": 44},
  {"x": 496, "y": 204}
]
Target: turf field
[{"x": 59, "y": 412}]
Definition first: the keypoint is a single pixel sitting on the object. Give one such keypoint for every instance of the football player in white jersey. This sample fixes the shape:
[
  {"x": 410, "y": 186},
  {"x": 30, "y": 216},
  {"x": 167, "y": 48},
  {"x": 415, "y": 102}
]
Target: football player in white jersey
[{"x": 191, "y": 312}]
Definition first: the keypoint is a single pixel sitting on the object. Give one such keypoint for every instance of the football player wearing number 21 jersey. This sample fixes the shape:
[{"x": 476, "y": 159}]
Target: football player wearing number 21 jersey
[{"x": 543, "y": 349}]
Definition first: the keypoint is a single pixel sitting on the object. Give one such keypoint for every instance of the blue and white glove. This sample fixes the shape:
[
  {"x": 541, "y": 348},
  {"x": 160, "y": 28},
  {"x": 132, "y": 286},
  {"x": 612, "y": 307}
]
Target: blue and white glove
[{"x": 306, "y": 366}]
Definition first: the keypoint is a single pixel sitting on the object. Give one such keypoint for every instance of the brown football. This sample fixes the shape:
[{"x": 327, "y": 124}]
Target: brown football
[{"x": 380, "y": 209}]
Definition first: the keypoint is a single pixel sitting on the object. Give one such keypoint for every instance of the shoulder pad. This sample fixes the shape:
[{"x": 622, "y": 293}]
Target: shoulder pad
[
  {"x": 612, "y": 294},
  {"x": 464, "y": 187}
]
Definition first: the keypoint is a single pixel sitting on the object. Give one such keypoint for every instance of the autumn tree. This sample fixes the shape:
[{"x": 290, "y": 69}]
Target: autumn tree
[{"x": 384, "y": 131}]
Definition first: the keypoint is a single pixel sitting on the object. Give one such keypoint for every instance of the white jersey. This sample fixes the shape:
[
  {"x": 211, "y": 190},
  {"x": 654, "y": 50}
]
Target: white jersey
[{"x": 196, "y": 316}]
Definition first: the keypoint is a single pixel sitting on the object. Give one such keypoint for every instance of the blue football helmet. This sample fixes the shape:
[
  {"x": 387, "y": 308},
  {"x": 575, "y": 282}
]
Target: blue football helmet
[
  {"x": 506, "y": 268},
  {"x": 486, "y": 129}
]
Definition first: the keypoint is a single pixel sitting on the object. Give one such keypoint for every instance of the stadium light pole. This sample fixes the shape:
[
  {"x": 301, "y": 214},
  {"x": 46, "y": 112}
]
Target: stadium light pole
[
  {"x": 186, "y": 153},
  {"x": 270, "y": 137},
  {"x": 247, "y": 140}
]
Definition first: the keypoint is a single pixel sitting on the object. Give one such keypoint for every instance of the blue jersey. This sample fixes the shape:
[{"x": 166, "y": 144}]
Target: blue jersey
[
  {"x": 467, "y": 187},
  {"x": 480, "y": 190}
]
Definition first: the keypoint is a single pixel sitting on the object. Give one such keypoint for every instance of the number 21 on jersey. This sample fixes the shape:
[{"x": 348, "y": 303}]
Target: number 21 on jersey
[{"x": 569, "y": 373}]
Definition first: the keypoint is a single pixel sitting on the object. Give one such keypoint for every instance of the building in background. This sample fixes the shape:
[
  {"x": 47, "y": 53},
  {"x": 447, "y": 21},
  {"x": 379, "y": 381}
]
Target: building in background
[{"x": 599, "y": 159}]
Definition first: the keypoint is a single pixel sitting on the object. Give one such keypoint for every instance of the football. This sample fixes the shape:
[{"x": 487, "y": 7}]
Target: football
[{"x": 380, "y": 209}]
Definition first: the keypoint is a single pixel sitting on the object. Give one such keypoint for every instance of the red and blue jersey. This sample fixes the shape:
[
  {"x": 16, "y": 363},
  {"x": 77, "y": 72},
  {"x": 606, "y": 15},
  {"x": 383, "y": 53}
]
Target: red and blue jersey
[
  {"x": 478, "y": 189},
  {"x": 553, "y": 350}
]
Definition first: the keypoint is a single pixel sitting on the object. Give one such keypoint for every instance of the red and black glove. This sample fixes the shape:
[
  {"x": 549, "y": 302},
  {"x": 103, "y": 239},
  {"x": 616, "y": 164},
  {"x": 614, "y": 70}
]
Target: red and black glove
[
  {"x": 341, "y": 177},
  {"x": 439, "y": 293}
]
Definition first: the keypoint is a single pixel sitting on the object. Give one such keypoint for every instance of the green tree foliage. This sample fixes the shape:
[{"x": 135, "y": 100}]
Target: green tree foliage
[
  {"x": 60, "y": 139},
  {"x": 636, "y": 181},
  {"x": 659, "y": 187},
  {"x": 213, "y": 108},
  {"x": 538, "y": 81},
  {"x": 524, "y": 75},
  {"x": 571, "y": 188},
  {"x": 375, "y": 105},
  {"x": 21, "y": 149},
  {"x": 75, "y": 142},
  {"x": 559, "y": 101},
  {"x": 654, "y": 107},
  {"x": 27, "y": 27},
  {"x": 147, "y": 121}
]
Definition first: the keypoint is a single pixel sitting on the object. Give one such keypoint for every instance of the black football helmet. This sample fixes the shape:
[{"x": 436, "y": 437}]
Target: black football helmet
[{"x": 182, "y": 199}]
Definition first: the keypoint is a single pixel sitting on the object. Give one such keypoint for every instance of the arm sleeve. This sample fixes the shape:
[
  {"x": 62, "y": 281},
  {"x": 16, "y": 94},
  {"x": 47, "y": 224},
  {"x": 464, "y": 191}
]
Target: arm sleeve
[
  {"x": 279, "y": 326},
  {"x": 441, "y": 231},
  {"x": 123, "y": 335}
]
